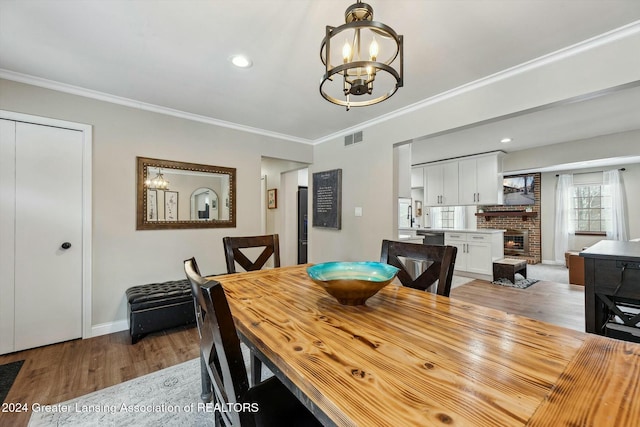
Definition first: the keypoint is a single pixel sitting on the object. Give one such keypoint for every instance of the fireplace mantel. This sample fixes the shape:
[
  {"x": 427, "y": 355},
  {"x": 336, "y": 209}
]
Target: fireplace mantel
[{"x": 524, "y": 214}]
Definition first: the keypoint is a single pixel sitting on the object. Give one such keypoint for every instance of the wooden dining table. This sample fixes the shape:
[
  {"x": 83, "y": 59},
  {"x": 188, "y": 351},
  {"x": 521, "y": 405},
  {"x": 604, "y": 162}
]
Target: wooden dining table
[{"x": 413, "y": 358}]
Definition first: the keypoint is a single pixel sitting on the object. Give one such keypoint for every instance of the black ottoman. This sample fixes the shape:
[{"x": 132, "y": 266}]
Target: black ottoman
[{"x": 159, "y": 306}]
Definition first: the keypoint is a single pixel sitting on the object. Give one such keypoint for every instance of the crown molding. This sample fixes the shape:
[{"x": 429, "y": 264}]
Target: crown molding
[
  {"x": 127, "y": 102},
  {"x": 585, "y": 45}
]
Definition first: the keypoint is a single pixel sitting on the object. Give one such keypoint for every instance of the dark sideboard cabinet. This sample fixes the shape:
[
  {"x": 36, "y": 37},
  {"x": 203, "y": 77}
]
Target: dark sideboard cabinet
[{"x": 612, "y": 289}]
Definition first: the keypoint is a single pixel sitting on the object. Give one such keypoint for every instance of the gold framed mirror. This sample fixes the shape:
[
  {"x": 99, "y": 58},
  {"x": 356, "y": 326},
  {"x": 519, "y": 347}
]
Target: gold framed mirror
[{"x": 174, "y": 195}]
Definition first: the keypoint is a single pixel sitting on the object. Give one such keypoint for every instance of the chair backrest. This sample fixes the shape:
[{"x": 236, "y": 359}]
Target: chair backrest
[
  {"x": 219, "y": 345},
  {"x": 233, "y": 253},
  {"x": 440, "y": 259},
  {"x": 195, "y": 280}
]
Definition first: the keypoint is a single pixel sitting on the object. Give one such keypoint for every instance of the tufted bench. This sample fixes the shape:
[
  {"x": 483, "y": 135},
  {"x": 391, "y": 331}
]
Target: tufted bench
[{"x": 159, "y": 306}]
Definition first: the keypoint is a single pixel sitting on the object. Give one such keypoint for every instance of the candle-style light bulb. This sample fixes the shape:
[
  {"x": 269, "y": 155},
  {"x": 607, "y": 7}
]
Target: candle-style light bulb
[
  {"x": 346, "y": 51},
  {"x": 373, "y": 49}
]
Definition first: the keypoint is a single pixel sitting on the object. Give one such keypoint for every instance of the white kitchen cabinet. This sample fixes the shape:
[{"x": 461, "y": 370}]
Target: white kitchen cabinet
[
  {"x": 417, "y": 177},
  {"x": 476, "y": 251},
  {"x": 441, "y": 184},
  {"x": 459, "y": 240},
  {"x": 480, "y": 180}
]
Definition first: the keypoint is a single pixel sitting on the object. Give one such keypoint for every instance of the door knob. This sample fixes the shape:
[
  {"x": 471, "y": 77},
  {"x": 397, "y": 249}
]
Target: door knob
[{"x": 66, "y": 245}]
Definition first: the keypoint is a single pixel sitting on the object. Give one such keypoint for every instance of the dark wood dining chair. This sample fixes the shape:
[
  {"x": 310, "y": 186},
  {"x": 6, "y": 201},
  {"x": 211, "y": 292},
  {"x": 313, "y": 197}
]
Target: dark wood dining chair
[
  {"x": 196, "y": 280},
  {"x": 440, "y": 262},
  {"x": 233, "y": 253},
  {"x": 270, "y": 403}
]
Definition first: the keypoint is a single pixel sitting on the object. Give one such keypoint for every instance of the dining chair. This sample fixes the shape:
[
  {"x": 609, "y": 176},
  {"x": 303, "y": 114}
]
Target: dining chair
[
  {"x": 440, "y": 260},
  {"x": 195, "y": 280},
  {"x": 268, "y": 403},
  {"x": 233, "y": 253}
]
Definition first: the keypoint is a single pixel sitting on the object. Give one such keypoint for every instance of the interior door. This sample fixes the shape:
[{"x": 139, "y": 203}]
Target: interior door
[{"x": 48, "y": 235}]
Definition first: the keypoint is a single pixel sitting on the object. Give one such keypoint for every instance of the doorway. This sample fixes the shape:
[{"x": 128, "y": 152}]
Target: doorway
[{"x": 303, "y": 213}]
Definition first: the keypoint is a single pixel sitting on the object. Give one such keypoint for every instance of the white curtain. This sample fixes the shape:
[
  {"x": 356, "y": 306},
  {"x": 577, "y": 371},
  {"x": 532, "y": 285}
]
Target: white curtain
[
  {"x": 612, "y": 184},
  {"x": 564, "y": 225}
]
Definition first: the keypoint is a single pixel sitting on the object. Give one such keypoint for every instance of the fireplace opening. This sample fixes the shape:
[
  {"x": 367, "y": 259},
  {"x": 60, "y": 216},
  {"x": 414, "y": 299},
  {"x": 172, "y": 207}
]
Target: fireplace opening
[{"x": 516, "y": 242}]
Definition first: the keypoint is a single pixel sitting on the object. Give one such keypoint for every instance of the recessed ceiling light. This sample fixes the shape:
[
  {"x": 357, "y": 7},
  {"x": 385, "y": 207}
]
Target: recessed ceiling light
[
  {"x": 241, "y": 61},
  {"x": 505, "y": 140}
]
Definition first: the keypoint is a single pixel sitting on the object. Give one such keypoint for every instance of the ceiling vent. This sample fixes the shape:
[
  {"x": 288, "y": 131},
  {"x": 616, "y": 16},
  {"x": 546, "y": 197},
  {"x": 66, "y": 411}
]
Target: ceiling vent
[{"x": 353, "y": 138}]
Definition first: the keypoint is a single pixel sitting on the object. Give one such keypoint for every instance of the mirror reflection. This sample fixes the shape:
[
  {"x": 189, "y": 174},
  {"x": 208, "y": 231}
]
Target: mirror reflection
[
  {"x": 184, "y": 195},
  {"x": 204, "y": 205}
]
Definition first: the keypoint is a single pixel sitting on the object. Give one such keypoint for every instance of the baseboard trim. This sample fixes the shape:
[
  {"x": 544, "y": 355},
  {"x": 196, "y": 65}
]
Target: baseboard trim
[{"x": 109, "y": 328}]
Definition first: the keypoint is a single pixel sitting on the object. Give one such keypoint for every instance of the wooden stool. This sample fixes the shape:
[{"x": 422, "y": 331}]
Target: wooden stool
[{"x": 507, "y": 268}]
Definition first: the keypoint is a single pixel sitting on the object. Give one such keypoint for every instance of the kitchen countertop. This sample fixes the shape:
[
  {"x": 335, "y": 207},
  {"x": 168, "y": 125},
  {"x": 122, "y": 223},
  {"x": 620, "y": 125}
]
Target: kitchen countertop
[{"x": 459, "y": 230}]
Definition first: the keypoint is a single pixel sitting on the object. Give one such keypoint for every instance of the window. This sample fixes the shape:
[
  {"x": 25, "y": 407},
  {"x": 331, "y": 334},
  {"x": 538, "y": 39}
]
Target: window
[{"x": 591, "y": 208}]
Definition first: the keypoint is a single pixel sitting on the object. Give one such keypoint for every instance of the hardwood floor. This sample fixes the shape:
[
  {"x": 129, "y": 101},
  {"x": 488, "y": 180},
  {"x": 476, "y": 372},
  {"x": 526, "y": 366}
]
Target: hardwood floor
[
  {"x": 557, "y": 303},
  {"x": 63, "y": 371},
  {"x": 60, "y": 372}
]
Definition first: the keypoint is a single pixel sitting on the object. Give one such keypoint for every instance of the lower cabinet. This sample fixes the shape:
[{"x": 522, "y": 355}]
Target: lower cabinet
[{"x": 476, "y": 251}]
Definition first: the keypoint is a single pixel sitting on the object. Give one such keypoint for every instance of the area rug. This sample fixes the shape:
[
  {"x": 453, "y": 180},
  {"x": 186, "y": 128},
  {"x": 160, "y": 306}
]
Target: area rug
[
  {"x": 520, "y": 283},
  {"x": 169, "y": 397},
  {"x": 8, "y": 374}
]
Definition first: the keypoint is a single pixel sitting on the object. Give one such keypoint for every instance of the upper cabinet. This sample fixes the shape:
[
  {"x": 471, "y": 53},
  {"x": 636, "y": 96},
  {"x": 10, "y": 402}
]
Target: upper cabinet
[
  {"x": 441, "y": 184},
  {"x": 417, "y": 177},
  {"x": 475, "y": 180},
  {"x": 480, "y": 180}
]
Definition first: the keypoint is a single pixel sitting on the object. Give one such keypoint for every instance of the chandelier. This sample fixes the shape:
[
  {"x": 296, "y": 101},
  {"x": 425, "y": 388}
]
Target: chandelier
[
  {"x": 350, "y": 72},
  {"x": 158, "y": 182}
]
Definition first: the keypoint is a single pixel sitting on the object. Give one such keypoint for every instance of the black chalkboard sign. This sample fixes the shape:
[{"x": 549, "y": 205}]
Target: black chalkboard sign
[{"x": 327, "y": 199}]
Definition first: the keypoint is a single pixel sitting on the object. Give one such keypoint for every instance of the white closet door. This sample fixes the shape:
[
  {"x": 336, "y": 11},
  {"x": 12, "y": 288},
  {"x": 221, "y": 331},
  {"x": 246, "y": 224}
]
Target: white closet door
[
  {"x": 48, "y": 213},
  {"x": 7, "y": 225}
]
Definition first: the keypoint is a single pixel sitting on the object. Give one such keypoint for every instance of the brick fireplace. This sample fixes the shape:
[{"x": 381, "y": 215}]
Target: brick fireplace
[{"x": 522, "y": 239}]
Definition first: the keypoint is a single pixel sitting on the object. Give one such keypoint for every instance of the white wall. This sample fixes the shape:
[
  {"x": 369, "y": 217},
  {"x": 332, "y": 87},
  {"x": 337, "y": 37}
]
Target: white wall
[
  {"x": 122, "y": 256},
  {"x": 368, "y": 167}
]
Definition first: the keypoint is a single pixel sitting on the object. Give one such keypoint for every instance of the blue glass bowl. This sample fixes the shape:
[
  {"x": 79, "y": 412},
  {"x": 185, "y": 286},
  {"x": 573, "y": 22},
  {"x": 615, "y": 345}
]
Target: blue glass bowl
[{"x": 352, "y": 283}]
